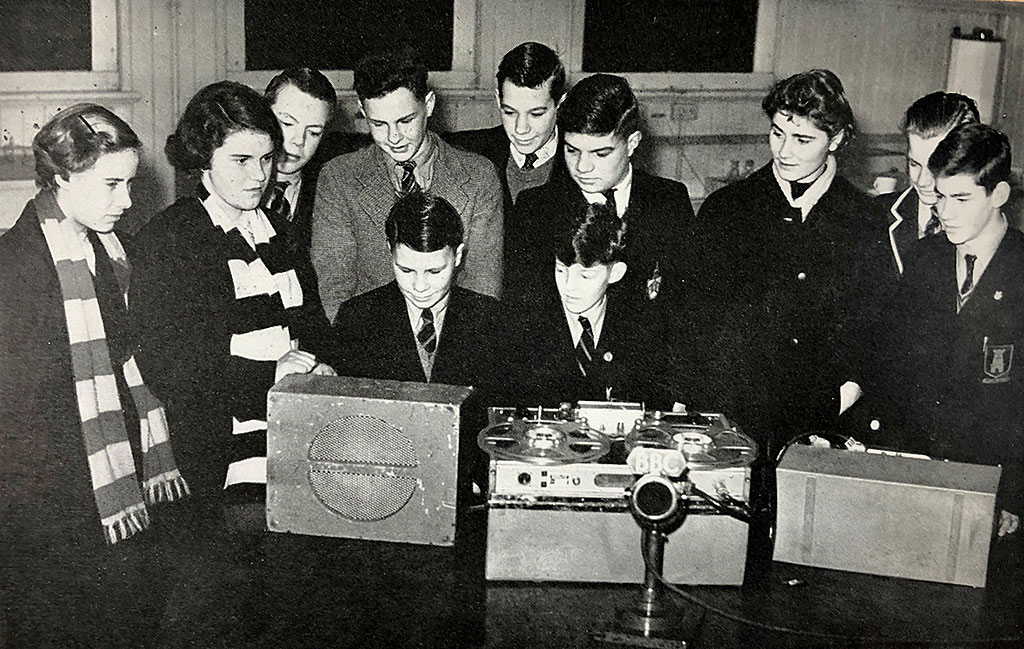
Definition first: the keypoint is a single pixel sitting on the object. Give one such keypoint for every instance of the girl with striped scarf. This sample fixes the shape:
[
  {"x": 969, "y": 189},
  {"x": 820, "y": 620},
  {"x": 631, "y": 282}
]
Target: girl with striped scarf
[
  {"x": 217, "y": 298},
  {"x": 84, "y": 448}
]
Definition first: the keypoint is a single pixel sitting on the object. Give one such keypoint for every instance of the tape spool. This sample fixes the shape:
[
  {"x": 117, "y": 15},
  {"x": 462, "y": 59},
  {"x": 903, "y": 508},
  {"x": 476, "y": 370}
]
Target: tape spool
[
  {"x": 706, "y": 441},
  {"x": 538, "y": 441}
]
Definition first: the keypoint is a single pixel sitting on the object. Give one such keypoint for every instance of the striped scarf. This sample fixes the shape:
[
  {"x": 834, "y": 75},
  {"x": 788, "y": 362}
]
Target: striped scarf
[{"x": 121, "y": 506}]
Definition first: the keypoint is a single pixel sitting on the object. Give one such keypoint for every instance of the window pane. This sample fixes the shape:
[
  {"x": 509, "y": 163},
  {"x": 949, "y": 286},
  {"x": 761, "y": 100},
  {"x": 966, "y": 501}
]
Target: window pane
[
  {"x": 45, "y": 35},
  {"x": 669, "y": 36},
  {"x": 333, "y": 35}
]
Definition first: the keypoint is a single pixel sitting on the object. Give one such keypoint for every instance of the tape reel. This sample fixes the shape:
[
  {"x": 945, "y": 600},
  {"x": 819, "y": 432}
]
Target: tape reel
[
  {"x": 541, "y": 441},
  {"x": 707, "y": 441}
]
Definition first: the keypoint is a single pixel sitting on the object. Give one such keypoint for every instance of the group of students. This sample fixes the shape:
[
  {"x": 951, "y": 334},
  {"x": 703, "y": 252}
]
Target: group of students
[{"x": 790, "y": 302}]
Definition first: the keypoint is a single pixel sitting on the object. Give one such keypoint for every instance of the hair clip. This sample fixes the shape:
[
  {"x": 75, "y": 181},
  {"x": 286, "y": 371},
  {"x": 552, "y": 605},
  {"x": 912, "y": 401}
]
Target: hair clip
[{"x": 87, "y": 124}]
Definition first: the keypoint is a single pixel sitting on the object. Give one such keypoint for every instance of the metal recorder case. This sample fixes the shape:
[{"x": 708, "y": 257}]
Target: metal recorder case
[
  {"x": 885, "y": 515},
  {"x": 363, "y": 458},
  {"x": 558, "y": 508}
]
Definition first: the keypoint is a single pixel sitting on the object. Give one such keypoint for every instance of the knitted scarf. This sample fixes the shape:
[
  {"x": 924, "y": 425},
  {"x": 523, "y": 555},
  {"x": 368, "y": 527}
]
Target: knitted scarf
[{"x": 121, "y": 505}]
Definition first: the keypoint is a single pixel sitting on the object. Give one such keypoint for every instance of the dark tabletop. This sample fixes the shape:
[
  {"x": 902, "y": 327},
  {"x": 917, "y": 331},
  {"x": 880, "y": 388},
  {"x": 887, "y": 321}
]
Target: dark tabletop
[{"x": 282, "y": 590}]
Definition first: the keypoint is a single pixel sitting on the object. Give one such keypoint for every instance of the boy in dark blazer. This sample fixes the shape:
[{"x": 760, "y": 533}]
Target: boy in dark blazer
[
  {"x": 524, "y": 149},
  {"x": 355, "y": 191},
  {"x": 911, "y": 213},
  {"x": 303, "y": 100},
  {"x": 599, "y": 121},
  {"x": 420, "y": 326},
  {"x": 960, "y": 319},
  {"x": 579, "y": 340}
]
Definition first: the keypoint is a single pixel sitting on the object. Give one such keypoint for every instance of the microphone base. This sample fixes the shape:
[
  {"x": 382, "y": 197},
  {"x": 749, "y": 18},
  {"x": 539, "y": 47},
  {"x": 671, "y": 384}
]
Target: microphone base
[{"x": 656, "y": 618}]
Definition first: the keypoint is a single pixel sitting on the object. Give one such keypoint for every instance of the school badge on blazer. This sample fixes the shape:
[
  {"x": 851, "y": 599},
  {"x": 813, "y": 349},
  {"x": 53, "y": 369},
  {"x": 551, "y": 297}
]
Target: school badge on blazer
[
  {"x": 654, "y": 283},
  {"x": 998, "y": 362}
]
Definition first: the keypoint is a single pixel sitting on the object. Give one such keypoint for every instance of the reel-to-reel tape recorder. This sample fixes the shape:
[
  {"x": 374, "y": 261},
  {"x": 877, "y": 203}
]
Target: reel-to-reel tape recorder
[{"x": 558, "y": 506}]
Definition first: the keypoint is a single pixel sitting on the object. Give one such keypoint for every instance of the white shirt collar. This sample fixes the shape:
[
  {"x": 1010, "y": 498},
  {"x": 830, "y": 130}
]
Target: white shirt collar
[
  {"x": 924, "y": 215},
  {"x": 809, "y": 198},
  {"x": 983, "y": 247},
  {"x": 291, "y": 192},
  {"x": 622, "y": 192},
  {"x": 544, "y": 153},
  {"x": 254, "y": 227},
  {"x": 594, "y": 314},
  {"x": 415, "y": 314}
]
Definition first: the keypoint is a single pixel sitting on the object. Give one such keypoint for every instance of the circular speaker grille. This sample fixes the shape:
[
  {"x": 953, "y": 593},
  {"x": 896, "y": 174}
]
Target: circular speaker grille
[
  {"x": 359, "y": 496},
  {"x": 360, "y": 439}
]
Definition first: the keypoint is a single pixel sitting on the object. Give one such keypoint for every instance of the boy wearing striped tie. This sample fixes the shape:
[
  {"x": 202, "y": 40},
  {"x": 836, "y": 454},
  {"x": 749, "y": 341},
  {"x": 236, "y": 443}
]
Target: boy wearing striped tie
[
  {"x": 959, "y": 319},
  {"x": 577, "y": 340},
  {"x": 420, "y": 326}
]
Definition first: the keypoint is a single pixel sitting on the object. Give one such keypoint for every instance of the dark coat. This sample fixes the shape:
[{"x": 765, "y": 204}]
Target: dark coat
[
  {"x": 373, "y": 339},
  {"x": 61, "y": 584},
  {"x": 900, "y": 212},
  {"x": 659, "y": 216},
  {"x": 43, "y": 463},
  {"x": 541, "y": 358},
  {"x": 784, "y": 307},
  {"x": 184, "y": 308},
  {"x": 958, "y": 404},
  {"x": 492, "y": 143}
]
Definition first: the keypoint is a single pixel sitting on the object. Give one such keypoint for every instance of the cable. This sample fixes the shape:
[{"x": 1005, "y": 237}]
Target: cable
[
  {"x": 729, "y": 509},
  {"x": 845, "y": 639}
]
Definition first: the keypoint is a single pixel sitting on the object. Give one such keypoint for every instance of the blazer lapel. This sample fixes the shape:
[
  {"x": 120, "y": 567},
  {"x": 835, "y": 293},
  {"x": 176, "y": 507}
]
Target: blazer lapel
[
  {"x": 903, "y": 225},
  {"x": 995, "y": 278},
  {"x": 403, "y": 338},
  {"x": 376, "y": 195},
  {"x": 449, "y": 178},
  {"x": 448, "y": 342}
]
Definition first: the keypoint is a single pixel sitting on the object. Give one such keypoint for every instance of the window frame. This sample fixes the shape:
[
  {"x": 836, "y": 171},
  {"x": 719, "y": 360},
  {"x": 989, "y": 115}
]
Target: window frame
[
  {"x": 105, "y": 73},
  {"x": 462, "y": 74}
]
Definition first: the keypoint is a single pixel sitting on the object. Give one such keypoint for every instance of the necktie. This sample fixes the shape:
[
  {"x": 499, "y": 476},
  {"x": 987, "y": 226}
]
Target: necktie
[
  {"x": 969, "y": 276},
  {"x": 585, "y": 347},
  {"x": 609, "y": 199},
  {"x": 934, "y": 224},
  {"x": 531, "y": 160},
  {"x": 278, "y": 206},
  {"x": 408, "y": 184},
  {"x": 799, "y": 189},
  {"x": 427, "y": 337}
]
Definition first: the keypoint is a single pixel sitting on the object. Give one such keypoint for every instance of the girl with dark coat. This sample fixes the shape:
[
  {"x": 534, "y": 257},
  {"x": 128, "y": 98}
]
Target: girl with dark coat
[
  {"x": 84, "y": 451},
  {"x": 220, "y": 310}
]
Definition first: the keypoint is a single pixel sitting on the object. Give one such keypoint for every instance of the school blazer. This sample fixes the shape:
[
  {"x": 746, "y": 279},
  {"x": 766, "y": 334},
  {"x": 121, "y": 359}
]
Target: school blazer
[
  {"x": 659, "y": 217},
  {"x": 959, "y": 375},
  {"x": 373, "y": 338},
  {"x": 628, "y": 362}
]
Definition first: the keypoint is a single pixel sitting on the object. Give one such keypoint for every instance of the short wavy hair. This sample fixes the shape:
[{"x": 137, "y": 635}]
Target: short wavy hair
[
  {"x": 215, "y": 112},
  {"x": 310, "y": 81},
  {"x": 815, "y": 95},
  {"x": 596, "y": 237},
  {"x": 425, "y": 222},
  {"x": 601, "y": 104},
  {"x": 938, "y": 113},
  {"x": 379, "y": 74},
  {"x": 529, "y": 65},
  {"x": 75, "y": 138},
  {"x": 976, "y": 150}
]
